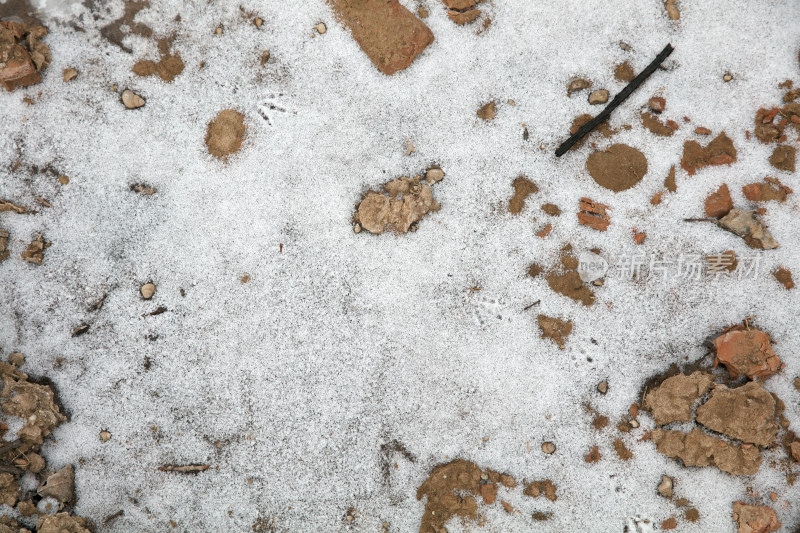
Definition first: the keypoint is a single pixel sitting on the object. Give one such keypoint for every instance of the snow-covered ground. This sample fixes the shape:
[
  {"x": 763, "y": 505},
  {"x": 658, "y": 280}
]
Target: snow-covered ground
[{"x": 289, "y": 385}]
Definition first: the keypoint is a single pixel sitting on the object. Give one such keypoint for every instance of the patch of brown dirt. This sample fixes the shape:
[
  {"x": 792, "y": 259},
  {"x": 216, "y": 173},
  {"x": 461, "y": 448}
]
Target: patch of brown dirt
[
  {"x": 654, "y": 124},
  {"x": 783, "y": 275},
  {"x": 746, "y": 413},
  {"x": 22, "y": 55},
  {"x": 603, "y": 129},
  {"x": 487, "y": 111},
  {"x": 747, "y": 352},
  {"x": 783, "y": 158},
  {"x": 403, "y": 202},
  {"x": 225, "y": 133},
  {"x": 390, "y": 35},
  {"x": 755, "y": 518},
  {"x": 673, "y": 400},
  {"x": 571, "y": 285},
  {"x": 3, "y": 245},
  {"x": 551, "y": 209},
  {"x": 167, "y": 68},
  {"x": 618, "y": 168},
  {"x": 555, "y": 329},
  {"x": 698, "y": 449},
  {"x": 748, "y": 227},
  {"x": 771, "y": 189},
  {"x": 593, "y": 214},
  {"x": 719, "y": 151},
  {"x": 116, "y": 31},
  {"x": 451, "y": 490},
  {"x": 669, "y": 182},
  {"x": 593, "y": 456},
  {"x": 622, "y": 451},
  {"x": 523, "y": 187},
  {"x": 35, "y": 251},
  {"x": 719, "y": 203},
  {"x": 624, "y": 72},
  {"x": 544, "y": 488}
]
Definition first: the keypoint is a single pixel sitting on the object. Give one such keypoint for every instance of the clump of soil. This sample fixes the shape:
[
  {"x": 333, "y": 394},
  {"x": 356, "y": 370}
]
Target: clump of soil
[
  {"x": 747, "y": 352},
  {"x": 783, "y": 158},
  {"x": 674, "y": 399},
  {"x": 452, "y": 489},
  {"x": 22, "y": 55},
  {"x": 390, "y": 35},
  {"x": 551, "y": 209},
  {"x": 783, "y": 275},
  {"x": 771, "y": 189},
  {"x": 523, "y": 187},
  {"x": 403, "y": 202},
  {"x": 577, "y": 84},
  {"x": 555, "y": 329},
  {"x": 755, "y": 518},
  {"x": 167, "y": 68},
  {"x": 622, "y": 451},
  {"x": 567, "y": 281},
  {"x": 656, "y": 127},
  {"x": 719, "y": 203},
  {"x": 618, "y": 168},
  {"x": 488, "y": 111},
  {"x": 3, "y": 245},
  {"x": 669, "y": 182},
  {"x": 672, "y": 9},
  {"x": 225, "y": 133},
  {"x": 719, "y": 151},
  {"x": 462, "y": 11},
  {"x": 768, "y": 131},
  {"x": 544, "y": 488},
  {"x": 593, "y": 214},
  {"x": 746, "y": 413},
  {"x": 751, "y": 229},
  {"x": 35, "y": 251},
  {"x": 593, "y": 456},
  {"x": 698, "y": 449},
  {"x": 624, "y": 72}
]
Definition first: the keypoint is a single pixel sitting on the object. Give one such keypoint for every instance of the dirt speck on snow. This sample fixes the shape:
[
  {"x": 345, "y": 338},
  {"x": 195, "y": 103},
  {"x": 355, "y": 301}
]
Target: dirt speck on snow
[
  {"x": 622, "y": 451},
  {"x": 544, "y": 488},
  {"x": 34, "y": 253},
  {"x": 390, "y": 35},
  {"x": 593, "y": 456},
  {"x": 782, "y": 274},
  {"x": 555, "y": 329},
  {"x": 624, "y": 72},
  {"x": 618, "y": 168},
  {"x": 654, "y": 124},
  {"x": 225, "y": 133},
  {"x": 403, "y": 202},
  {"x": 487, "y": 111},
  {"x": 523, "y": 187}
]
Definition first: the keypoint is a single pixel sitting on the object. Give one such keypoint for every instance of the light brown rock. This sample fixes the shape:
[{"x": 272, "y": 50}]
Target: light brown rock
[
  {"x": 746, "y": 413},
  {"x": 598, "y": 97},
  {"x": 131, "y": 100},
  {"x": 404, "y": 202},
  {"x": 61, "y": 523},
  {"x": 751, "y": 229},
  {"x": 698, "y": 449},
  {"x": 60, "y": 485},
  {"x": 673, "y": 400}
]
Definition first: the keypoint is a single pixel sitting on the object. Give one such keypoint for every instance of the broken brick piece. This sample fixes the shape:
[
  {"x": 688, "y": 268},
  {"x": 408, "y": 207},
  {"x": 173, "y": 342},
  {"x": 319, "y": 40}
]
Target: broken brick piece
[
  {"x": 593, "y": 214},
  {"x": 390, "y": 35},
  {"x": 544, "y": 232},
  {"x": 783, "y": 275},
  {"x": 747, "y": 352},
  {"x": 719, "y": 203}
]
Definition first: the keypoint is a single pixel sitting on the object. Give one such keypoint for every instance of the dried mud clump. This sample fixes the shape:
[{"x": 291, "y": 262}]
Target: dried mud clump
[
  {"x": 624, "y": 72},
  {"x": 767, "y": 130},
  {"x": 60, "y": 523},
  {"x": 167, "y": 68},
  {"x": 555, "y": 329},
  {"x": 544, "y": 488},
  {"x": 656, "y": 127},
  {"x": 720, "y": 151},
  {"x": 4, "y": 253},
  {"x": 32, "y": 402},
  {"x": 462, "y": 11},
  {"x": 523, "y": 187},
  {"x": 390, "y": 35},
  {"x": 487, "y": 111},
  {"x": 755, "y": 518},
  {"x": 747, "y": 352},
  {"x": 748, "y": 227},
  {"x": 783, "y": 275},
  {"x": 22, "y": 55},
  {"x": 771, "y": 189},
  {"x": 403, "y": 202},
  {"x": 618, "y": 168},
  {"x": 225, "y": 133},
  {"x": 674, "y": 399},
  {"x": 698, "y": 449},
  {"x": 34, "y": 253},
  {"x": 567, "y": 281},
  {"x": 746, "y": 413},
  {"x": 783, "y": 158},
  {"x": 452, "y": 490}
]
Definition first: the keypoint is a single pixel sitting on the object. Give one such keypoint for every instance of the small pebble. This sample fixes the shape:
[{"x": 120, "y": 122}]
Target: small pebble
[
  {"x": 548, "y": 447},
  {"x": 665, "y": 487},
  {"x": 63, "y": 180},
  {"x": 258, "y": 22},
  {"x": 598, "y": 97},
  {"x": 218, "y": 31},
  {"x": 69, "y": 74},
  {"x": 245, "y": 278},
  {"x": 17, "y": 359},
  {"x": 321, "y": 28},
  {"x": 625, "y": 46},
  {"x": 114, "y": 88},
  {"x": 602, "y": 387},
  {"x": 264, "y": 57},
  {"x": 434, "y": 175},
  {"x": 357, "y": 228},
  {"x": 148, "y": 290},
  {"x": 105, "y": 436},
  {"x": 634, "y": 423},
  {"x": 727, "y": 77},
  {"x": 131, "y": 100},
  {"x": 484, "y": 477},
  {"x": 511, "y": 102},
  {"x": 410, "y": 148}
]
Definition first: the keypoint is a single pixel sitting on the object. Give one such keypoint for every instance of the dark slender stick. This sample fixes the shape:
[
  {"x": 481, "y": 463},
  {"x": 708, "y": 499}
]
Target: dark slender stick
[{"x": 621, "y": 97}]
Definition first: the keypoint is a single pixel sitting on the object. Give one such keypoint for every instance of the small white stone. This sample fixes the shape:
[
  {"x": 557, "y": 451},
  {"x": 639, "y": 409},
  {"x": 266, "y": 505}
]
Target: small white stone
[
  {"x": 321, "y": 28},
  {"x": 105, "y": 436},
  {"x": 434, "y": 175},
  {"x": 548, "y": 447},
  {"x": 131, "y": 100},
  {"x": 148, "y": 290},
  {"x": 410, "y": 148}
]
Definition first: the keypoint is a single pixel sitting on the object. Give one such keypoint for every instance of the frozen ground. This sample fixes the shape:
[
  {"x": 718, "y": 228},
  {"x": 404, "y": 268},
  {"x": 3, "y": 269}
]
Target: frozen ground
[{"x": 289, "y": 385}]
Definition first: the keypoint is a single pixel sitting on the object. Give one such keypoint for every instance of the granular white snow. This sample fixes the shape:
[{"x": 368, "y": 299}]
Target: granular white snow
[{"x": 288, "y": 385}]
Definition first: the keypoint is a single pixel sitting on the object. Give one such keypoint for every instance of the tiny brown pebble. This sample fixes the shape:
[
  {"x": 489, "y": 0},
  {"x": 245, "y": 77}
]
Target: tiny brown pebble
[
  {"x": 434, "y": 175},
  {"x": 258, "y": 22},
  {"x": 702, "y": 131},
  {"x": 548, "y": 447},
  {"x": 17, "y": 359},
  {"x": 665, "y": 488},
  {"x": 357, "y": 228},
  {"x": 245, "y": 278},
  {"x": 218, "y": 31},
  {"x": 69, "y": 74},
  {"x": 602, "y": 387},
  {"x": 105, "y": 436},
  {"x": 727, "y": 77},
  {"x": 148, "y": 290},
  {"x": 598, "y": 97},
  {"x": 264, "y": 57},
  {"x": 63, "y": 180},
  {"x": 512, "y": 102},
  {"x": 321, "y": 28},
  {"x": 131, "y": 100}
]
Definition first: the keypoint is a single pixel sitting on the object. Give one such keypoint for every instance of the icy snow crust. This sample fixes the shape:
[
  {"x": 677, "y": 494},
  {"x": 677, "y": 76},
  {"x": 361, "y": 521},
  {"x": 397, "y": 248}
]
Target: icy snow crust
[{"x": 289, "y": 384}]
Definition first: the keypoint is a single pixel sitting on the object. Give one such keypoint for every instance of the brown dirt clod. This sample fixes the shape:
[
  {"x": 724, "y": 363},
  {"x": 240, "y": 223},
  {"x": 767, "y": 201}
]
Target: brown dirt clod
[
  {"x": 225, "y": 133},
  {"x": 551, "y": 209},
  {"x": 622, "y": 451},
  {"x": 555, "y": 329},
  {"x": 719, "y": 151},
  {"x": 755, "y": 518},
  {"x": 624, "y": 72},
  {"x": 487, "y": 111},
  {"x": 654, "y": 124},
  {"x": 577, "y": 84},
  {"x": 698, "y": 449},
  {"x": 618, "y": 168},
  {"x": 34, "y": 253},
  {"x": 593, "y": 456},
  {"x": 769, "y": 190},
  {"x": 167, "y": 68},
  {"x": 674, "y": 399},
  {"x": 22, "y": 54},
  {"x": 747, "y": 352},
  {"x": 672, "y": 9},
  {"x": 782, "y": 274},
  {"x": 669, "y": 182},
  {"x": 390, "y": 35},
  {"x": 523, "y": 187},
  {"x": 402, "y": 203},
  {"x": 544, "y": 488},
  {"x": 719, "y": 203}
]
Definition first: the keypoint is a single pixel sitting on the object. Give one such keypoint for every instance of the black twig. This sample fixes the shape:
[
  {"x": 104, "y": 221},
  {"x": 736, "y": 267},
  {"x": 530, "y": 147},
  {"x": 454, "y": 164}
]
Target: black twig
[
  {"x": 531, "y": 305},
  {"x": 618, "y": 99}
]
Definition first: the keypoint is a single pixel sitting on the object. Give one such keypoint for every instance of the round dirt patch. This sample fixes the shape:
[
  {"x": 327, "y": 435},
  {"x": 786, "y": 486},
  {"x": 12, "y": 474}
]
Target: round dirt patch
[{"x": 619, "y": 168}]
